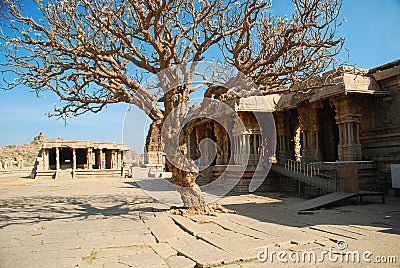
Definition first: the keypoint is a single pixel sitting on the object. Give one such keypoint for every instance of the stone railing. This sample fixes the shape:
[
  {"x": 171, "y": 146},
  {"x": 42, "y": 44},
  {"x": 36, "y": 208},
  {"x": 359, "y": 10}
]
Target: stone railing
[{"x": 308, "y": 173}]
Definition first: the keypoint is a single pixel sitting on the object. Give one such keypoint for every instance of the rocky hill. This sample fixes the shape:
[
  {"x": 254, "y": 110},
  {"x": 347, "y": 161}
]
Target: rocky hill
[{"x": 27, "y": 152}]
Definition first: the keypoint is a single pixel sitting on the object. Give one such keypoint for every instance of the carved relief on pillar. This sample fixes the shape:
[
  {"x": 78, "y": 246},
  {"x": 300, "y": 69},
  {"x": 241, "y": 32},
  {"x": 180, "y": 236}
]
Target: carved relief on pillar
[
  {"x": 310, "y": 128},
  {"x": 315, "y": 123},
  {"x": 247, "y": 140},
  {"x": 45, "y": 157},
  {"x": 222, "y": 142},
  {"x": 348, "y": 121},
  {"x": 306, "y": 130},
  {"x": 283, "y": 135}
]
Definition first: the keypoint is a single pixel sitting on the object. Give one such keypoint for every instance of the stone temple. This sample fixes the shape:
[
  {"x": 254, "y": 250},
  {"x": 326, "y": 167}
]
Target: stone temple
[
  {"x": 78, "y": 159},
  {"x": 338, "y": 132}
]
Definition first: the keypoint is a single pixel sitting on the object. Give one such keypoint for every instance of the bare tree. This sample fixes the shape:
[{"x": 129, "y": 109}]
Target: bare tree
[{"x": 93, "y": 53}]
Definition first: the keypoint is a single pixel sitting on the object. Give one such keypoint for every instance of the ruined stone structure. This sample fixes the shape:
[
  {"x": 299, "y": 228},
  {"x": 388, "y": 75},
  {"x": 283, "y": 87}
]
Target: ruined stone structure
[
  {"x": 21, "y": 156},
  {"x": 347, "y": 115},
  {"x": 41, "y": 137},
  {"x": 12, "y": 164},
  {"x": 77, "y": 159},
  {"x": 154, "y": 157}
]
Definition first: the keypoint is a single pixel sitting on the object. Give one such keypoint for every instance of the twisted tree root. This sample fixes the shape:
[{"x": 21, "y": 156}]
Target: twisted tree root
[{"x": 209, "y": 210}]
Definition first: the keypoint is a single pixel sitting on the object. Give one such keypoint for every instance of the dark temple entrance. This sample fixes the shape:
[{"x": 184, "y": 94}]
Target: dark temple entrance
[
  {"x": 329, "y": 132},
  {"x": 65, "y": 158}
]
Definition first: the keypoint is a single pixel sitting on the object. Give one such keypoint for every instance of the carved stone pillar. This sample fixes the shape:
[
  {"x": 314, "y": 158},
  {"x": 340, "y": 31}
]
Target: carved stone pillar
[
  {"x": 57, "y": 158},
  {"x": 220, "y": 139},
  {"x": 236, "y": 150},
  {"x": 101, "y": 166},
  {"x": 89, "y": 158},
  {"x": 45, "y": 157},
  {"x": 73, "y": 162},
  {"x": 304, "y": 122},
  {"x": 120, "y": 159},
  {"x": 309, "y": 123},
  {"x": 348, "y": 121},
  {"x": 112, "y": 159},
  {"x": 283, "y": 134},
  {"x": 117, "y": 159},
  {"x": 192, "y": 144},
  {"x": 315, "y": 125}
]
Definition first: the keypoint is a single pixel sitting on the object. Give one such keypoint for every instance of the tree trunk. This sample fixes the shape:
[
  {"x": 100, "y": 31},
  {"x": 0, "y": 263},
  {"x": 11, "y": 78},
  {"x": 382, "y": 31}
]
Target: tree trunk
[{"x": 185, "y": 181}]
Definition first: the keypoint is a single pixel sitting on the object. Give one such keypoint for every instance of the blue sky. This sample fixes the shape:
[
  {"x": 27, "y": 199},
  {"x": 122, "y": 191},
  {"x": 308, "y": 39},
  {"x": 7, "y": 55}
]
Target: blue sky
[{"x": 372, "y": 37}]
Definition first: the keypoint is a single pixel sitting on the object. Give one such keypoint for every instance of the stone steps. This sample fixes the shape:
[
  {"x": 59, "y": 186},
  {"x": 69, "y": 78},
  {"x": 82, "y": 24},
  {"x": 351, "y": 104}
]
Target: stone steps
[
  {"x": 323, "y": 183},
  {"x": 79, "y": 174}
]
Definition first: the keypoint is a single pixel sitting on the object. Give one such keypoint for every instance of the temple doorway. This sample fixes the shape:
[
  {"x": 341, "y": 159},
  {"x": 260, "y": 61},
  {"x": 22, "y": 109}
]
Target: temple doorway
[
  {"x": 81, "y": 158},
  {"x": 329, "y": 132},
  {"x": 65, "y": 158}
]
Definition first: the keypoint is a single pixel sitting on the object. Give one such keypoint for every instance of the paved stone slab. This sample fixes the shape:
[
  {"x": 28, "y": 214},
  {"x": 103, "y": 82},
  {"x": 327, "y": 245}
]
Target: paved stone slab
[
  {"x": 241, "y": 246},
  {"x": 243, "y": 229},
  {"x": 279, "y": 230},
  {"x": 162, "y": 227},
  {"x": 142, "y": 257},
  {"x": 163, "y": 249},
  {"x": 321, "y": 234},
  {"x": 180, "y": 262},
  {"x": 194, "y": 227},
  {"x": 201, "y": 252},
  {"x": 117, "y": 241},
  {"x": 270, "y": 232},
  {"x": 63, "y": 223},
  {"x": 332, "y": 229}
]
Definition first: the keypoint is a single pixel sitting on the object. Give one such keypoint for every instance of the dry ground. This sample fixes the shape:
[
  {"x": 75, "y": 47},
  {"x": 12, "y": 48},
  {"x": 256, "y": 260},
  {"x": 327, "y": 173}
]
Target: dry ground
[{"x": 113, "y": 223}]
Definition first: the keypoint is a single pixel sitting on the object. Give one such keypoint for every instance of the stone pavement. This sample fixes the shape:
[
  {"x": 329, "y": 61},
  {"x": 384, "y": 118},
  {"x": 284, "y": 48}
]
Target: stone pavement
[{"x": 113, "y": 223}]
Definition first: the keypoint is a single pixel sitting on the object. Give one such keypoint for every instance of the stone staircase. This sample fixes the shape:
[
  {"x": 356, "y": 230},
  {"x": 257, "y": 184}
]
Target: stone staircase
[
  {"x": 323, "y": 175},
  {"x": 236, "y": 179},
  {"x": 309, "y": 174},
  {"x": 98, "y": 173},
  {"x": 64, "y": 175},
  {"x": 44, "y": 174},
  {"x": 79, "y": 174}
]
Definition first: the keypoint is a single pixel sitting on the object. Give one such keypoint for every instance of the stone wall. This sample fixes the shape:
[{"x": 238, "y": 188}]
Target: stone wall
[{"x": 382, "y": 140}]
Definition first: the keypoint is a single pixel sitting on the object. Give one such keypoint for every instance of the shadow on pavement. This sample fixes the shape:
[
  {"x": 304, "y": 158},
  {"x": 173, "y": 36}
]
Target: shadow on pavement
[
  {"x": 34, "y": 209},
  {"x": 386, "y": 217}
]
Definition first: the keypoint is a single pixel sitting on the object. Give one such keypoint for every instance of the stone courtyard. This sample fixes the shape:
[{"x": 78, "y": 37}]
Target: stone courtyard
[{"x": 113, "y": 223}]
